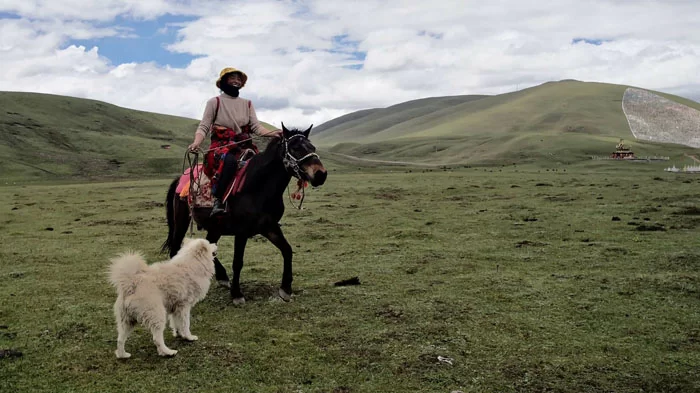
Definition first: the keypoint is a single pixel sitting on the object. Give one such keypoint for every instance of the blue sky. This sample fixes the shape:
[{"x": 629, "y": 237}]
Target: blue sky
[
  {"x": 142, "y": 41},
  {"x": 592, "y": 41}
]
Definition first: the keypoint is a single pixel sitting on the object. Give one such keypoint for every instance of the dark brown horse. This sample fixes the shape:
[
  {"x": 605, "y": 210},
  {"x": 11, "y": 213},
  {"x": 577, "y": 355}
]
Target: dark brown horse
[{"x": 256, "y": 209}]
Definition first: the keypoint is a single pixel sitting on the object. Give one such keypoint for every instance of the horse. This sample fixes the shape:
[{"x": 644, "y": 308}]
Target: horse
[{"x": 256, "y": 209}]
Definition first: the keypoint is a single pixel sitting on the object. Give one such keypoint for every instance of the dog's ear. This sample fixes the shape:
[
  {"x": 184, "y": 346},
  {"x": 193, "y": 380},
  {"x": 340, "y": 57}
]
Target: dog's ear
[{"x": 202, "y": 247}]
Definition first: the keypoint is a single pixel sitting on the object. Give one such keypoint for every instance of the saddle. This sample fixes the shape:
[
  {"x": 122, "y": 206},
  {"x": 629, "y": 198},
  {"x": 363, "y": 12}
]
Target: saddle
[{"x": 195, "y": 186}]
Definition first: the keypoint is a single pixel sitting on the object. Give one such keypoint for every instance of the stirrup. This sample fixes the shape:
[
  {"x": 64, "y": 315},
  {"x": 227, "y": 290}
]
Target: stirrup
[
  {"x": 218, "y": 208},
  {"x": 245, "y": 156}
]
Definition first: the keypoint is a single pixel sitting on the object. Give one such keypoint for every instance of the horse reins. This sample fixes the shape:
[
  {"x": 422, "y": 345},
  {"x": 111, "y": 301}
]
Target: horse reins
[
  {"x": 193, "y": 181},
  {"x": 291, "y": 162}
]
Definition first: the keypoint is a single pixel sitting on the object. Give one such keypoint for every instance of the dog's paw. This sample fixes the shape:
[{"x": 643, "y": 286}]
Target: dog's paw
[
  {"x": 122, "y": 355},
  {"x": 191, "y": 338},
  {"x": 167, "y": 352},
  {"x": 175, "y": 334}
]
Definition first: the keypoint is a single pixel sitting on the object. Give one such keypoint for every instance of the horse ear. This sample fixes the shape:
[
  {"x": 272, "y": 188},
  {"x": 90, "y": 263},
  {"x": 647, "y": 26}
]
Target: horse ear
[
  {"x": 285, "y": 131},
  {"x": 308, "y": 131}
]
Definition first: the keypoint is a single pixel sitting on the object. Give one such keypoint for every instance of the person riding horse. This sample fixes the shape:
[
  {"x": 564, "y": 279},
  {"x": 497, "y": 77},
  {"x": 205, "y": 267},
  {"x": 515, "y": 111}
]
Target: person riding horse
[{"x": 230, "y": 120}]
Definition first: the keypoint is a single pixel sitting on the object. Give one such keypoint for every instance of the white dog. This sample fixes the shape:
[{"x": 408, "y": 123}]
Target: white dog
[{"x": 159, "y": 292}]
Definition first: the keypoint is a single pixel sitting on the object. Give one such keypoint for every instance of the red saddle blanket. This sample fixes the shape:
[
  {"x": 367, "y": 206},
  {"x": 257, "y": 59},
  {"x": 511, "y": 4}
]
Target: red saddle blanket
[{"x": 195, "y": 186}]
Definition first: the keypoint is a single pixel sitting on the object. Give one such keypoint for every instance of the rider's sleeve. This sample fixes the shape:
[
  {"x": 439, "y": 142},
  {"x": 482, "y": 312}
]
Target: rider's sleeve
[
  {"x": 255, "y": 125},
  {"x": 207, "y": 117}
]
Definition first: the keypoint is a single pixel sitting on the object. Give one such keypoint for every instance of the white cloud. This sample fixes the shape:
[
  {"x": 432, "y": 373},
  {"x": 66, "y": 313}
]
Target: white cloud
[
  {"x": 301, "y": 55},
  {"x": 93, "y": 10}
]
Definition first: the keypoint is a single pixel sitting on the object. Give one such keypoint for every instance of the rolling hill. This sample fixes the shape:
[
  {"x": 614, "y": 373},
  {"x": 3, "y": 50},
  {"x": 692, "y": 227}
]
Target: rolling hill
[
  {"x": 48, "y": 136},
  {"x": 55, "y": 137},
  {"x": 565, "y": 121}
]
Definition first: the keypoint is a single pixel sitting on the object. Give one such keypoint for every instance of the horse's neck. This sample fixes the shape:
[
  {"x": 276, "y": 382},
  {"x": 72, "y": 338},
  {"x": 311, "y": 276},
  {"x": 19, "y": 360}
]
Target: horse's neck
[
  {"x": 270, "y": 176},
  {"x": 277, "y": 180}
]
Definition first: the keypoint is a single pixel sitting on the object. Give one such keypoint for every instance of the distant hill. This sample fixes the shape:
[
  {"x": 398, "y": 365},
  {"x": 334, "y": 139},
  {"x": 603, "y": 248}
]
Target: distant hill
[
  {"x": 567, "y": 120},
  {"x": 49, "y": 136},
  {"x": 371, "y": 121}
]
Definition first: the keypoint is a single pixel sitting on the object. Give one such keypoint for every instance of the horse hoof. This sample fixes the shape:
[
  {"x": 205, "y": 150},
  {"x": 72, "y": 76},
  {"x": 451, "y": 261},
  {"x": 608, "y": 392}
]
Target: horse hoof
[
  {"x": 239, "y": 301},
  {"x": 284, "y": 295},
  {"x": 224, "y": 283}
]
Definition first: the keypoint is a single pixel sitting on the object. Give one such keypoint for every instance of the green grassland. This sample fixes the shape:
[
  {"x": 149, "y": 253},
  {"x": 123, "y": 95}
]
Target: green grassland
[{"x": 557, "y": 278}]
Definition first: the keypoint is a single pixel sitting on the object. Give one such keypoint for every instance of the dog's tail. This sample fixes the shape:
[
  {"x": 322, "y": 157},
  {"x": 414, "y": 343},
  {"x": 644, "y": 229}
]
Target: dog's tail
[{"x": 123, "y": 268}]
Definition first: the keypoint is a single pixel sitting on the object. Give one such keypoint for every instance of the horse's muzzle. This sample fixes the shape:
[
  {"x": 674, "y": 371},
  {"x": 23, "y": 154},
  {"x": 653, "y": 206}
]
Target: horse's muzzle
[
  {"x": 316, "y": 174},
  {"x": 319, "y": 178}
]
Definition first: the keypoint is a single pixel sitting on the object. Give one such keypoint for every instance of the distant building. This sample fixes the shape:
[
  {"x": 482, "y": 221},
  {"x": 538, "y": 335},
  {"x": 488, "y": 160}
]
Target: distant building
[{"x": 622, "y": 152}]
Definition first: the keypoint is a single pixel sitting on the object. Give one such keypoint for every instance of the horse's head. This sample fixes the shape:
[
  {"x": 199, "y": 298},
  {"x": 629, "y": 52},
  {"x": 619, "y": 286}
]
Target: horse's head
[{"x": 300, "y": 156}]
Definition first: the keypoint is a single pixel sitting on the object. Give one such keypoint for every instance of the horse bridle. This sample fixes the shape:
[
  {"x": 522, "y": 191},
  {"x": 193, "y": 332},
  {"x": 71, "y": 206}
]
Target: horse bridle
[{"x": 290, "y": 162}]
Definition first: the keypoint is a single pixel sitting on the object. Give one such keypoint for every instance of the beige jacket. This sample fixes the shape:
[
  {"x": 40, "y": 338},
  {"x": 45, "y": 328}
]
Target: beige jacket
[{"x": 234, "y": 112}]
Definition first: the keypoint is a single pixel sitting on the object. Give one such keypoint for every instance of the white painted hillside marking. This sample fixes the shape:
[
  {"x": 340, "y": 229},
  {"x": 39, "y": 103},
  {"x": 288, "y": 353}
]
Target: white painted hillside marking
[{"x": 657, "y": 119}]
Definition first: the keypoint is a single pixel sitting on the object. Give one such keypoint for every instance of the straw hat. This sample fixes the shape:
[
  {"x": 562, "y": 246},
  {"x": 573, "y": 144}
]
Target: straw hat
[{"x": 231, "y": 70}]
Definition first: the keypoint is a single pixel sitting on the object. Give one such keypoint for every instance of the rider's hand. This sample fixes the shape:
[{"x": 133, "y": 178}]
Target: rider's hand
[{"x": 194, "y": 147}]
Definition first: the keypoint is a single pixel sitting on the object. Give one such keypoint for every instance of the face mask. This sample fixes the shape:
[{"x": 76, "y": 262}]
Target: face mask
[{"x": 230, "y": 90}]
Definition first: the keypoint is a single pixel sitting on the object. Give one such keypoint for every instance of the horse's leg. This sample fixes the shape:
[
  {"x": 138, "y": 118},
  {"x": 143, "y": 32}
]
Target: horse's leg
[
  {"x": 221, "y": 276},
  {"x": 181, "y": 220},
  {"x": 276, "y": 236},
  {"x": 238, "y": 251}
]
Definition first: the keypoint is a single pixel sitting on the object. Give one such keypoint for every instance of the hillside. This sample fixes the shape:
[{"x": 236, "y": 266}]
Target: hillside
[
  {"x": 371, "y": 121},
  {"x": 55, "y": 137},
  {"x": 49, "y": 136},
  {"x": 567, "y": 120}
]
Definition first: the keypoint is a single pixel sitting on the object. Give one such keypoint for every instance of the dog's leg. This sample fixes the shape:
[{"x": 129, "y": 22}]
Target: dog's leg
[
  {"x": 157, "y": 331},
  {"x": 183, "y": 319},
  {"x": 124, "y": 328},
  {"x": 173, "y": 325},
  {"x": 156, "y": 322}
]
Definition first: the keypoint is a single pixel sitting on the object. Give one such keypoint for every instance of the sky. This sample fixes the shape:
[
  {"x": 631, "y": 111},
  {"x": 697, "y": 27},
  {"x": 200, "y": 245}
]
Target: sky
[{"x": 309, "y": 61}]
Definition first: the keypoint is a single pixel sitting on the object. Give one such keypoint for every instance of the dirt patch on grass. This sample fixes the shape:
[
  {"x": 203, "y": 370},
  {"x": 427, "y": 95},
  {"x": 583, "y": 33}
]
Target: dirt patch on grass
[
  {"x": 256, "y": 290},
  {"x": 10, "y": 353},
  {"x": 527, "y": 243},
  {"x": 73, "y": 331},
  {"x": 113, "y": 223},
  {"x": 147, "y": 205},
  {"x": 651, "y": 227},
  {"x": 683, "y": 261},
  {"x": 688, "y": 211},
  {"x": 391, "y": 194},
  {"x": 390, "y": 314},
  {"x": 560, "y": 198}
]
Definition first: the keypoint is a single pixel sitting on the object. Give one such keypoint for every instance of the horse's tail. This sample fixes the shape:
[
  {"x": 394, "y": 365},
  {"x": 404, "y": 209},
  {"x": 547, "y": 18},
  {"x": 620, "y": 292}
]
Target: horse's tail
[
  {"x": 123, "y": 270},
  {"x": 170, "y": 215}
]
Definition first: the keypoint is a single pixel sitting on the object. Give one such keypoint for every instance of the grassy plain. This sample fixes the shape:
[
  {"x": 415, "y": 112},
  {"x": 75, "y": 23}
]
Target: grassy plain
[{"x": 521, "y": 279}]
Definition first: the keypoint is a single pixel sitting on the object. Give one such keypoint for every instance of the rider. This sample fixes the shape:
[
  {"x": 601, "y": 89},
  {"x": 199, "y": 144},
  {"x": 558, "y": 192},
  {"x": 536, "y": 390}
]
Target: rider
[{"x": 230, "y": 120}]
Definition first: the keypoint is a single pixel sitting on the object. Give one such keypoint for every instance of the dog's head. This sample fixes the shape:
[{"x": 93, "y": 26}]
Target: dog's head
[{"x": 199, "y": 249}]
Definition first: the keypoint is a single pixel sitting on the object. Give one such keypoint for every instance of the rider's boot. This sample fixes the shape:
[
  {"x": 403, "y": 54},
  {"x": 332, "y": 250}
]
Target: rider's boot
[{"x": 218, "y": 208}]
